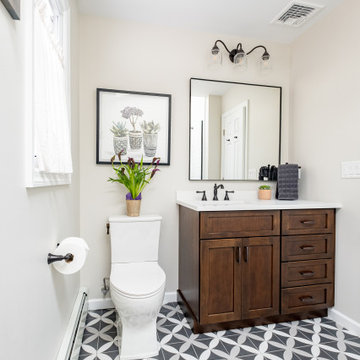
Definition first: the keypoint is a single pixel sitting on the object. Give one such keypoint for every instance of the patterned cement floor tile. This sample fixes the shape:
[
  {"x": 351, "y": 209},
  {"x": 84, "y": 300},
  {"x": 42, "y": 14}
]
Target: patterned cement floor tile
[{"x": 314, "y": 339}]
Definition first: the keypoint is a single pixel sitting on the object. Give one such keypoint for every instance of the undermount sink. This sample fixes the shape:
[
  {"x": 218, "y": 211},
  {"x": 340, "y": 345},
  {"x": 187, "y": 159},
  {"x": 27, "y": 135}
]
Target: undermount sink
[{"x": 219, "y": 202}]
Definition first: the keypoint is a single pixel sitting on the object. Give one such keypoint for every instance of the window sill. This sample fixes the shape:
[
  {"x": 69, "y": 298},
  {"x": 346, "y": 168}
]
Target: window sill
[{"x": 46, "y": 179}]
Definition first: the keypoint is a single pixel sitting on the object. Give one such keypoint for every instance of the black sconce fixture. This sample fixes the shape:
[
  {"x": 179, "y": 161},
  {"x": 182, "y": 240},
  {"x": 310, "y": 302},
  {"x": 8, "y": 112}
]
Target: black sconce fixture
[{"x": 238, "y": 56}]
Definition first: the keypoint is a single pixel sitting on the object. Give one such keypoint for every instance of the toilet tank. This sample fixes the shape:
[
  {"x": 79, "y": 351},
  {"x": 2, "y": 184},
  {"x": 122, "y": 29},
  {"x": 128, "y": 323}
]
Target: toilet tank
[{"x": 134, "y": 239}]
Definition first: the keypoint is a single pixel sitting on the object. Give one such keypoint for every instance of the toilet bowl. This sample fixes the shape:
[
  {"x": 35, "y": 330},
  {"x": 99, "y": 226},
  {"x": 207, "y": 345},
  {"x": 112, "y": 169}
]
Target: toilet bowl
[{"x": 137, "y": 283}]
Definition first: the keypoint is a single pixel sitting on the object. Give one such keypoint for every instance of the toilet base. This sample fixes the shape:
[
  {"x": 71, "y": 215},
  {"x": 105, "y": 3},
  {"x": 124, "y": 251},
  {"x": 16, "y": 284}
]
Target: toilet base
[{"x": 137, "y": 342}]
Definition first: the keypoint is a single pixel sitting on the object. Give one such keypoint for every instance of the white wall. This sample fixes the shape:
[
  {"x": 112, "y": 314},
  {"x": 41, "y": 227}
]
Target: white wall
[
  {"x": 36, "y": 302},
  {"x": 133, "y": 56},
  {"x": 325, "y": 113}
]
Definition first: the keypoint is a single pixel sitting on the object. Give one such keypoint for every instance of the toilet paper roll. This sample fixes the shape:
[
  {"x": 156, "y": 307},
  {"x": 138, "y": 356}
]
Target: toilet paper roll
[{"x": 75, "y": 246}]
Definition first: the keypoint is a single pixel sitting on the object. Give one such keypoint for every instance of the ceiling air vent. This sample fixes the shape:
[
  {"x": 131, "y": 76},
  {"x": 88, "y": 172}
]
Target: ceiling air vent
[{"x": 296, "y": 13}]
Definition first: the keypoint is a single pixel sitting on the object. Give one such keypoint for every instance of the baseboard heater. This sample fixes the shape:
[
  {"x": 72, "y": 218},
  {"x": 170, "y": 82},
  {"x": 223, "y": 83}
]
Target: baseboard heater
[{"x": 71, "y": 345}]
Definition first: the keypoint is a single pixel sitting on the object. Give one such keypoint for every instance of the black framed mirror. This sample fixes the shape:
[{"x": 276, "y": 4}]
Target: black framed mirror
[{"x": 235, "y": 128}]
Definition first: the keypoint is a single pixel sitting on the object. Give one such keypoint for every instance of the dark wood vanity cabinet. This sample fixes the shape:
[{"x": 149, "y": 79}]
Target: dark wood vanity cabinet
[
  {"x": 239, "y": 278},
  {"x": 242, "y": 268}
]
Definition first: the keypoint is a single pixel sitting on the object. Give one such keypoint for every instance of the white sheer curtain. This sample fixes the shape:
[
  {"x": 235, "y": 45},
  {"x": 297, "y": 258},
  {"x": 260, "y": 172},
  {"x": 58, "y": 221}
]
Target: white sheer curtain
[{"x": 50, "y": 109}]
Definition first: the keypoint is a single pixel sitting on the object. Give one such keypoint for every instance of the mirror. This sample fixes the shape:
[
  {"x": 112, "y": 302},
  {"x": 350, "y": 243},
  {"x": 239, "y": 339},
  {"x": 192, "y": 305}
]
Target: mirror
[{"x": 234, "y": 129}]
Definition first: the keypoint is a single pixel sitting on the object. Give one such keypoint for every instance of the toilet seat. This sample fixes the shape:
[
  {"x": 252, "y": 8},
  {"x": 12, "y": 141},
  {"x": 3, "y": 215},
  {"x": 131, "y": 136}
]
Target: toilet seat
[{"x": 137, "y": 280}]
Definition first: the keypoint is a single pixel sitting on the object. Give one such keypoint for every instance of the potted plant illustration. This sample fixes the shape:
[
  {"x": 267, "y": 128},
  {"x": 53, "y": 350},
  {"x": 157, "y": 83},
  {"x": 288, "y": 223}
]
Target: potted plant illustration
[
  {"x": 134, "y": 176},
  {"x": 150, "y": 137},
  {"x": 120, "y": 139},
  {"x": 135, "y": 136},
  {"x": 264, "y": 192}
]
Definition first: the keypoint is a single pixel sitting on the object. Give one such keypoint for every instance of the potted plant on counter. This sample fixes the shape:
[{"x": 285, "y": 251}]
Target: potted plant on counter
[
  {"x": 134, "y": 176},
  {"x": 264, "y": 192}
]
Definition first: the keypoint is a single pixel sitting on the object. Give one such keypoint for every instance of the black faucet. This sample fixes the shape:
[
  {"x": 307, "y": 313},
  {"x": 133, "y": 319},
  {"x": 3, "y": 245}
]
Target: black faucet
[
  {"x": 227, "y": 192},
  {"x": 204, "y": 195},
  {"x": 216, "y": 187}
]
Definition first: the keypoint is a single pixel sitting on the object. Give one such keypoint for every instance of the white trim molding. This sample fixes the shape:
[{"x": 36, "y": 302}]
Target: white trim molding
[
  {"x": 344, "y": 320},
  {"x": 170, "y": 297},
  {"x": 106, "y": 303},
  {"x": 71, "y": 344},
  {"x": 100, "y": 304}
]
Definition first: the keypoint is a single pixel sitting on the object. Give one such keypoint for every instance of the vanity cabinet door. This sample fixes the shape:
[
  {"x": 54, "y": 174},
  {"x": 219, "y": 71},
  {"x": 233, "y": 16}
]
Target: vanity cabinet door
[
  {"x": 261, "y": 277},
  {"x": 220, "y": 277}
]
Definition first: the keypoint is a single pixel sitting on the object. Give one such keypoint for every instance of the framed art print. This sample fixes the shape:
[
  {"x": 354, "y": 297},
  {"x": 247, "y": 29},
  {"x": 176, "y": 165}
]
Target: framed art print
[
  {"x": 137, "y": 124},
  {"x": 13, "y": 8}
]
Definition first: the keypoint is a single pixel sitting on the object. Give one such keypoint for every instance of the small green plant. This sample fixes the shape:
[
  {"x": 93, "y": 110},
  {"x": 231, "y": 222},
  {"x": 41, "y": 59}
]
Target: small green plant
[
  {"x": 265, "y": 187},
  {"x": 134, "y": 176},
  {"x": 119, "y": 129},
  {"x": 150, "y": 127}
]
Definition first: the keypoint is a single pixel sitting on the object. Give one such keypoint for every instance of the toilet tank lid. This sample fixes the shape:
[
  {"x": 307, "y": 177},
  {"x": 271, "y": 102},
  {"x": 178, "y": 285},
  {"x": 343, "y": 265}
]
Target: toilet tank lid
[{"x": 130, "y": 219}]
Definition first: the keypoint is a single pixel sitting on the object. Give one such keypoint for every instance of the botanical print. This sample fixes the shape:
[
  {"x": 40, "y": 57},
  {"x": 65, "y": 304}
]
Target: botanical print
[
  {"x": 13, "y": 7},
  {"x": 150, "y": 135},
  {"x": 135, "y": 124}
]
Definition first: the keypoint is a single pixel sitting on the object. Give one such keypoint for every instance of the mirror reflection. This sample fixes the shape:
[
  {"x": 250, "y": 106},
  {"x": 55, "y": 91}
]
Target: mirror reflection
[{"x": 234, "y": 129}]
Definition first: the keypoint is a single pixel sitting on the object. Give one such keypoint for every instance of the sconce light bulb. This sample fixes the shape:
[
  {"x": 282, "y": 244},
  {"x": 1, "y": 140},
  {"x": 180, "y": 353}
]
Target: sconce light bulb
[
  {"x": 240, "y": 59},
  {"x": 266, "y": 56},
  {"x": 215, "y": 50},
  {"x": 265, "y": 63}
]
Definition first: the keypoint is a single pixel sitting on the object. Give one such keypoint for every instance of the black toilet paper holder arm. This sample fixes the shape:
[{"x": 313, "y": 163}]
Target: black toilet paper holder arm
[{"x": 53, "y": 258}]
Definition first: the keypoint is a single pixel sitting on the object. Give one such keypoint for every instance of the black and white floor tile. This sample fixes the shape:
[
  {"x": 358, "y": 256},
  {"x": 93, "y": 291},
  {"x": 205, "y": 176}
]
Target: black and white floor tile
[{"x": 316, "y": 339}]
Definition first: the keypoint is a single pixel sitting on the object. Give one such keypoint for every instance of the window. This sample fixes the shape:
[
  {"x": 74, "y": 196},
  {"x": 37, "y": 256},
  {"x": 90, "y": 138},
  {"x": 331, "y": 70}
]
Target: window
[{"x": 48, "y": 100}]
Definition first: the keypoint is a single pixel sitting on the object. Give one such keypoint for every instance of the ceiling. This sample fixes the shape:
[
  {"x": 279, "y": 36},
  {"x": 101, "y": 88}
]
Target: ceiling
[{"x": 246, "y": 18}]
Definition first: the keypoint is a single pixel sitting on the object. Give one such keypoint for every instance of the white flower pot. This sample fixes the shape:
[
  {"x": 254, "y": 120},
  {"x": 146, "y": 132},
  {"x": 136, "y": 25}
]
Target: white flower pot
[
  {"x": 150, "y": 144},
  {"x": 120, "y": 144},
  {"x": 135, "y": 139}
]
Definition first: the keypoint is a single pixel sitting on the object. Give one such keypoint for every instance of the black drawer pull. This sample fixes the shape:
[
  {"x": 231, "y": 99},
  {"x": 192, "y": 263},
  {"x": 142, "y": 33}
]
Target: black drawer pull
[
  {"x": 307, "y": 247},
  {"x": 307, "y": 222},
  {"x": 306, "y": 273},
  {"x": 306, "y": 299}
]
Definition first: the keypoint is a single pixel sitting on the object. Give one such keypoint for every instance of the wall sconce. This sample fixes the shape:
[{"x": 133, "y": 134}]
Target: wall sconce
[{"x": 238, "y": 56}]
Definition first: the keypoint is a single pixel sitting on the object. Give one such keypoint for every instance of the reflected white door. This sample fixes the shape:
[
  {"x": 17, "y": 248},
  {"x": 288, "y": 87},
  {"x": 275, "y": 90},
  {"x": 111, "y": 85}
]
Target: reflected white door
[{"x": 234, "y": 142}]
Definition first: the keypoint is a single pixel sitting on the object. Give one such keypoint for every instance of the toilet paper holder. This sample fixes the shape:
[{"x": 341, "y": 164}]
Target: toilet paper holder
[{"x": 53, "y": 258}]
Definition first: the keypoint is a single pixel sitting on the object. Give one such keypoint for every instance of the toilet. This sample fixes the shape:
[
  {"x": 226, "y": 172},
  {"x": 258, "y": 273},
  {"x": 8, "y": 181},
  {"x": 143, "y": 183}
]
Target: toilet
[{"x": 137, "y": 283}]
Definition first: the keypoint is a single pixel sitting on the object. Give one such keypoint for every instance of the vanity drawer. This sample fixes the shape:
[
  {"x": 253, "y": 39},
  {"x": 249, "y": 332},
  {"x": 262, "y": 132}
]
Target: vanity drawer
[
  {"x": 233, "y": 224},
  {"x": 307, "y": 272},
  {"x": 307, "y": 298},
  {"x": 319, "y": 221},
  {"x": 307, "y": 247}
]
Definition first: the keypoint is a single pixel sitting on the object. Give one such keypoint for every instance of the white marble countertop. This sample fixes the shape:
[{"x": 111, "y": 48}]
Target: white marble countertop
[{"x": 247, "y": 200}]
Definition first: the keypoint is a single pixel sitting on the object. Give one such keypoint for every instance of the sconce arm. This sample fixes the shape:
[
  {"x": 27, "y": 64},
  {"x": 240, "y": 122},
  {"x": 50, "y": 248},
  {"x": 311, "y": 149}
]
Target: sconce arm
[
  {"x": 220, "y": 41},
  {"x": 256, "y": 47},
  {"x": 239, "y": 46}
]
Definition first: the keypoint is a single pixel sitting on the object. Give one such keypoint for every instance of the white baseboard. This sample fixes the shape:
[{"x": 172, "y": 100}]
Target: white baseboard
[
  {"x": 71, "y": 344},
  {"x": 106, "y": 303},
  {"x": 99, "y": 304},
  {"x": 344, "y": 320},
  {"x": 170, "y": 297}
]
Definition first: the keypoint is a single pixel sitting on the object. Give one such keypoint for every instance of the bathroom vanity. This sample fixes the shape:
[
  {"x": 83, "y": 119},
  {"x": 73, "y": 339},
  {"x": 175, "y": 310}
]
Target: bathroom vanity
[{"x": 258, "y": 262}]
